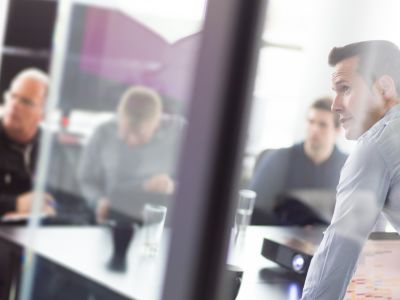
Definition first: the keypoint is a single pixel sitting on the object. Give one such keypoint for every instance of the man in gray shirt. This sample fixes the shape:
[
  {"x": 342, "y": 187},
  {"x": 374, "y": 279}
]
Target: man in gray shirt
[
  {"x": 131, "y": 155},
  {"x": 366, "y": 81}
]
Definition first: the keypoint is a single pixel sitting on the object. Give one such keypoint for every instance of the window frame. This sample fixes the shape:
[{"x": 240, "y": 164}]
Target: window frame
[{"x": 212, "y": 151}]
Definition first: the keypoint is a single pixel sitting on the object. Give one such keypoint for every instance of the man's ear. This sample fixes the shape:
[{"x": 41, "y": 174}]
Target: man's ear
[{"x": 386, "y": 86}]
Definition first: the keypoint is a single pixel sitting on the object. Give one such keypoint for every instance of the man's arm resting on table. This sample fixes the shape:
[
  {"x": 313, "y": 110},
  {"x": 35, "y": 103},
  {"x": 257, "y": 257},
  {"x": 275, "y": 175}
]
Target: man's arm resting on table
[{"x": 361, "y": 194}]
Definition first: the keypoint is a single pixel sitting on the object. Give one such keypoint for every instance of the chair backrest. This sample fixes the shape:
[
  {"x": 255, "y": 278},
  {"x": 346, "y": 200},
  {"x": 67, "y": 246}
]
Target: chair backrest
[{"x": 260, "y": 157}]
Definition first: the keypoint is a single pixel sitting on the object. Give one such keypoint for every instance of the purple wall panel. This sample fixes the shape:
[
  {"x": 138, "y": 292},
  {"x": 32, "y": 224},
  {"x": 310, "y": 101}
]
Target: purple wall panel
[{"x": 119, "y": 48}]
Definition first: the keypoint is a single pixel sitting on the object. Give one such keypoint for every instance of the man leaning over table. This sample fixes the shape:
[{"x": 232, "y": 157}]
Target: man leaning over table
[
  {"x": 366, "y": 81},
  {"x": 133, "y": 153}
]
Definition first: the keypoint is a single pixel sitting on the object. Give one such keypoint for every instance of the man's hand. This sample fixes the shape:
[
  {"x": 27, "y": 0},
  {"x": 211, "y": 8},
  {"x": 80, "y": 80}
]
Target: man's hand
[
  {"x": 25, "y": 202},
  {"x": 102, "y": 208},
  {"x": 161, "y": 183}
]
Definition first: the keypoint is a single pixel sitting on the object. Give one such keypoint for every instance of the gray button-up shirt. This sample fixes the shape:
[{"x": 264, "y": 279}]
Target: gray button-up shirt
[
  {"x": 108, "y": 164},
  {"x": 369, "y": 184}
]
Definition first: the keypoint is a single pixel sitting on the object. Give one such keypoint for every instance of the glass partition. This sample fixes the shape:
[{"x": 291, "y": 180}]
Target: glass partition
[
  {"x": 186, "y": 152},
  {"x": 120, "y": 86}
]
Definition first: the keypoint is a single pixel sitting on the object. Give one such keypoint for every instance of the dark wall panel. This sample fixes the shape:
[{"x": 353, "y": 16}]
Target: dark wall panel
[
  {"x": 30, "y": 24},
  {"x": 28, "y": 38},
  {"x": 12, "y": 64}
]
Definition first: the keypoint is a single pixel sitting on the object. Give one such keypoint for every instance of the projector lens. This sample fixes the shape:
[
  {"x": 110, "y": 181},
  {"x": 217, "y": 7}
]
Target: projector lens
[{"x": 298, "y": 262}]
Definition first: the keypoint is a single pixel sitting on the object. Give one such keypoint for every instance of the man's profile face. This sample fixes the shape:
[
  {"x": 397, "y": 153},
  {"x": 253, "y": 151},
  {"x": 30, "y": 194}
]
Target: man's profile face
[
  {"x": 24, "y": 104},
  {"x": 321, "y": 132},
  {"x": 358, "y": 104},
  {"x": 140, "y": 134}
]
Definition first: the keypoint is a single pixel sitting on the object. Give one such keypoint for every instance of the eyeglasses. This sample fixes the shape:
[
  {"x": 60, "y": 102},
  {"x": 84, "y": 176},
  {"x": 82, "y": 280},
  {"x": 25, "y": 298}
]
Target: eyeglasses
[{"x": 10, "y": 96}]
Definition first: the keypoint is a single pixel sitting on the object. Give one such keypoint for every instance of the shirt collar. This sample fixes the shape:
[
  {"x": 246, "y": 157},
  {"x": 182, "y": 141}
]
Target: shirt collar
[
  {"x": 9, "y": 140},
  {"x": 392, "y": 113}
]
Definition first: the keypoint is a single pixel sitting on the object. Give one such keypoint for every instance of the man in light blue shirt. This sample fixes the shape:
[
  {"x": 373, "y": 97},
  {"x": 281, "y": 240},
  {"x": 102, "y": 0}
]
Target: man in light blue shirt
[{"x": 366, "y": 82}]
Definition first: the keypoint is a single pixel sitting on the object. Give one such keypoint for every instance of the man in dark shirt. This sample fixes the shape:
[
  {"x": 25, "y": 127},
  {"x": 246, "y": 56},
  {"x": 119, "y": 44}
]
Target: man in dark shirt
[
  {"x": 314, "y": 164},
  {"x": 19, "y": 134}
]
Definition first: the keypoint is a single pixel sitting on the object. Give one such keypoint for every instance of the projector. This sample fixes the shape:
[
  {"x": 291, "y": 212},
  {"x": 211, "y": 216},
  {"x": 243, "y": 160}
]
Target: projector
[{"x": 292, "y": 248}]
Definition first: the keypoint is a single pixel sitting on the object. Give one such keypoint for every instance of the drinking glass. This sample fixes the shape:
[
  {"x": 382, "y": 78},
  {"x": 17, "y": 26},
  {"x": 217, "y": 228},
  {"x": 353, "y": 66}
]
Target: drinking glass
[
  {"x": 153, "y": 225},
  {"x": 244, "y": 210}
]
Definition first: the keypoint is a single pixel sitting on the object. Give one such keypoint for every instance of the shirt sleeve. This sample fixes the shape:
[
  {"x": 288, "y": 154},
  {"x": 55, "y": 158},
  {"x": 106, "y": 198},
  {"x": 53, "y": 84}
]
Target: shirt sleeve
[
  {"x": 361, "y": 194},
  {"x": 7, "y": 204},
  {"x": 90, "y": 171}
]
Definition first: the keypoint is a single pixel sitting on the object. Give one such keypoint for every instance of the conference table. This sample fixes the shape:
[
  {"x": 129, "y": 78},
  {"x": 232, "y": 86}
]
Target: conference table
[{"x": 83, "y": 253}]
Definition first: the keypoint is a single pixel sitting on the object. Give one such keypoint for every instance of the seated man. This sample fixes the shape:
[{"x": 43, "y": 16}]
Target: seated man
[
  {"x": 313, "y": 164},
  {"x": 131, "y": 155},
  {"x": 19, "y": 140}
]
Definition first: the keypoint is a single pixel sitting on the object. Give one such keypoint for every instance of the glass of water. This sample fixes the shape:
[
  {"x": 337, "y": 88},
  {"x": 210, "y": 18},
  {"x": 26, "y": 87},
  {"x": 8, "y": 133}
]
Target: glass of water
[
  {"x": 244, "y": 210},
  {"x": 153, "y": 225}
]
